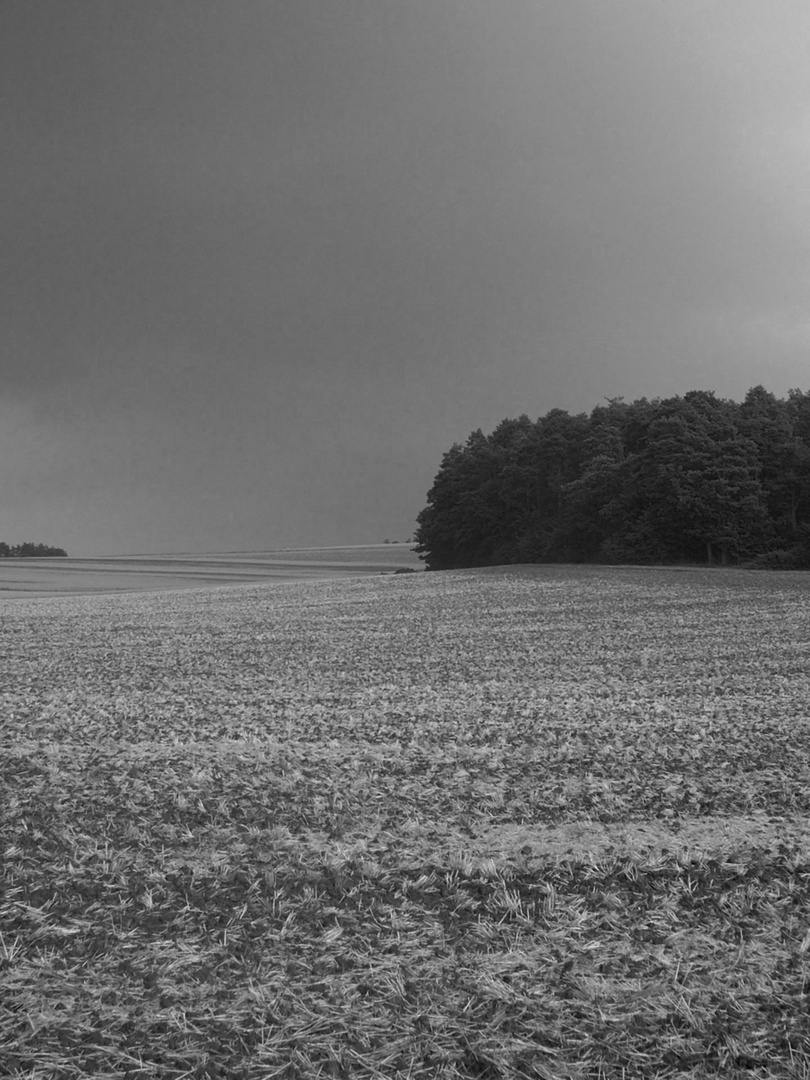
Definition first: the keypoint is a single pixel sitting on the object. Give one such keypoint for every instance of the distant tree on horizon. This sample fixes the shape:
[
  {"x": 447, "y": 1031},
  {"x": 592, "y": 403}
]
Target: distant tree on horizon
[{"x": 30, "y": 550}]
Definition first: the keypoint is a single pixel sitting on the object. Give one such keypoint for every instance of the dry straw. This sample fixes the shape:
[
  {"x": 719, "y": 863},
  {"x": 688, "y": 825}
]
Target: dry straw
[{"x": 437, "y": 826}]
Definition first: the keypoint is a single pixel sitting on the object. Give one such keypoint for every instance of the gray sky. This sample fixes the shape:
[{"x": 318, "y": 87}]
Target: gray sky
[{"x": 263, "y": 261}]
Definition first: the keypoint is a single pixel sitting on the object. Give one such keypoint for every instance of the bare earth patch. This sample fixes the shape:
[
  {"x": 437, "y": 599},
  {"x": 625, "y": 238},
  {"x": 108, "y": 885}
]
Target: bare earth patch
[{"x": 698, "y": 837}]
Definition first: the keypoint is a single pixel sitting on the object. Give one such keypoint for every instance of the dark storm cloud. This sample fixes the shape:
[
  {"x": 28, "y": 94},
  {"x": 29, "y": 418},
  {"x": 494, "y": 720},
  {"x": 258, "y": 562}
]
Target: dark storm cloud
[{"x": 298, "y": 248}]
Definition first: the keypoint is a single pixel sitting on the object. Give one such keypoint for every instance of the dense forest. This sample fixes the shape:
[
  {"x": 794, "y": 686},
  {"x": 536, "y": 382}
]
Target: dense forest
[
  {"x": 30, "y": 551},
  {"x": 692, "y": 479}
]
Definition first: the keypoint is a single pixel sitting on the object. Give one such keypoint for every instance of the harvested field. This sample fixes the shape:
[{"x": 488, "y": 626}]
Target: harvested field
[
  {"x": 524, "y": 822},
  {"x": 149, "y": 573}
]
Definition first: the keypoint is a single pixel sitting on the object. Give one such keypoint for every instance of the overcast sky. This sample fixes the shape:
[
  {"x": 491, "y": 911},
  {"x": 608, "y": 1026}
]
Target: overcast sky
[{"x": 264, "y": 261}]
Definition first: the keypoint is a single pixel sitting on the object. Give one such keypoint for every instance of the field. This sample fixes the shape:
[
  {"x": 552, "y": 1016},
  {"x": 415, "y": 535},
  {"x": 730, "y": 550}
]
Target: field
[
  {"x": 143, "y": 573},
  {"x": 525, "y": 822}
]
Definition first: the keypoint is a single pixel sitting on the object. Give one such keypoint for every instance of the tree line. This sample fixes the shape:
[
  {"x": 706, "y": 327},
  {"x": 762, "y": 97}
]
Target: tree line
[
  {"x": 29, "y": 550},
  {"x": 691, "y": 479}
]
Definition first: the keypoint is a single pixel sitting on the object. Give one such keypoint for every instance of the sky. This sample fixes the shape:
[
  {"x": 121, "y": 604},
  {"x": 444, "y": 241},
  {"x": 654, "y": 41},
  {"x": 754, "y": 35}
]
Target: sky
[{"x": 263, "y": 263}]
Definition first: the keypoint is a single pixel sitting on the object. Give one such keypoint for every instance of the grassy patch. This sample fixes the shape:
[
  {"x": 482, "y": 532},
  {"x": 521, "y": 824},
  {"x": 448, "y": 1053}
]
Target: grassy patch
[{"x": 540, "y": 822}]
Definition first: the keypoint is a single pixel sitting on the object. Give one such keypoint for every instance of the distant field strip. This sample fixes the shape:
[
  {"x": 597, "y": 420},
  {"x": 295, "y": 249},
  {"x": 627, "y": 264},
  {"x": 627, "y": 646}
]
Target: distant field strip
[
  {"x": 148, "y": 573},
  {"x": 525, "y": 822}
]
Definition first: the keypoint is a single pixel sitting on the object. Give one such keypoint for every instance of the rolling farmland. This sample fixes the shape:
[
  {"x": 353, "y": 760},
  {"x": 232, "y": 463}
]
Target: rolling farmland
[
  {"x": 518, "y": 822},
  {"x": 145, "y": 573}
]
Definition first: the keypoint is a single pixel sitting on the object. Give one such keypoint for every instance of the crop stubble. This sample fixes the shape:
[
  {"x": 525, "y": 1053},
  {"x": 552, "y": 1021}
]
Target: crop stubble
[{"x": 525, "y": 822}]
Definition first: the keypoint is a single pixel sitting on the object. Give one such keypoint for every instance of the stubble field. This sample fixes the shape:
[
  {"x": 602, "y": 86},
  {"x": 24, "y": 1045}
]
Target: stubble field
[{"x": 526, "y": 822}]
